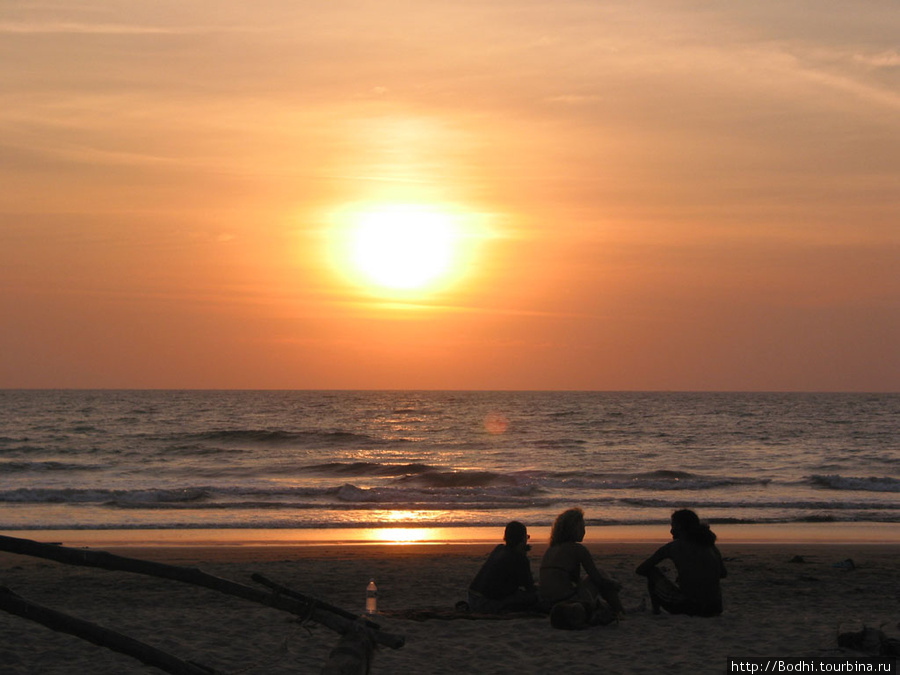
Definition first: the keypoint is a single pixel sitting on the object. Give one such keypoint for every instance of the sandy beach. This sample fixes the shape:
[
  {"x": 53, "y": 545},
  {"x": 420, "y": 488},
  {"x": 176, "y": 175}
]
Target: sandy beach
[{"x": 774, "y": 606}]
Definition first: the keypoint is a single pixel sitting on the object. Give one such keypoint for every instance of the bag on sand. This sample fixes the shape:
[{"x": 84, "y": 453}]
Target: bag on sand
[{"x": 573, "y": 615}]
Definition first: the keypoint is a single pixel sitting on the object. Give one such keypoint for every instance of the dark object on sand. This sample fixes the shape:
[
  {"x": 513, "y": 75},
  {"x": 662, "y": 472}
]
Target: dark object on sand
[
  {"x": 870, "y": 641},
  {"x": 316, "y": 610},
  {"x": 575, "y": 616},
  {"x": 797, "y": 559},
  {"x": 352, "y": 655},
  {"x": 352, "y": 628},
  {"x": 98, "y": 635},
  {"x": 568, "y": 616}
]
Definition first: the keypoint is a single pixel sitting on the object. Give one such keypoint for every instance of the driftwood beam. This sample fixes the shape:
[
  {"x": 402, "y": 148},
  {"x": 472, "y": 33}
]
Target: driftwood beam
[
  {"x": 104, "y": 637},
  {"x": 191, "y": 575},
  {"x": 291, "y": 593}
]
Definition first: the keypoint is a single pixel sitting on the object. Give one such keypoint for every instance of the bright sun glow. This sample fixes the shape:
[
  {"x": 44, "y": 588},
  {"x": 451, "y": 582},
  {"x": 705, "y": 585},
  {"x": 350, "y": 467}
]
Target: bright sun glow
[
  {"x": 404, "y": 247},
  {"x": 405, "y": 535}
]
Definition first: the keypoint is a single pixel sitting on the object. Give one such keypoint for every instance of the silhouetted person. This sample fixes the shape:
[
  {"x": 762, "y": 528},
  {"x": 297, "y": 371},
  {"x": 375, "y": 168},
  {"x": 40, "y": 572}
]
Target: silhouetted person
[
  {"x": 560, "y": 575},
  {"x": 504, "y": 583},
  {"x": 699, "y": 565}
]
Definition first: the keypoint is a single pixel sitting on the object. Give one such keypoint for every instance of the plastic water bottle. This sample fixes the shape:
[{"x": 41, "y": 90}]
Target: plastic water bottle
[{"x": 371, "y": 597}]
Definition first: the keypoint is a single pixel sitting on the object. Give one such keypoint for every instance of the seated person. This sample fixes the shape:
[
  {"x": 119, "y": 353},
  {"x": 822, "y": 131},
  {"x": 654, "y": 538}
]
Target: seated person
[
  {"x": 560, "y": 575},
  {"x": 504, "y": 583},
  {"x": 699, "y": 566}
]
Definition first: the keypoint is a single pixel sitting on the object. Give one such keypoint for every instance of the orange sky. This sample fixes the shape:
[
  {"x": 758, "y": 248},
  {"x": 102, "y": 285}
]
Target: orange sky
[{"x": 653, "y": 194}]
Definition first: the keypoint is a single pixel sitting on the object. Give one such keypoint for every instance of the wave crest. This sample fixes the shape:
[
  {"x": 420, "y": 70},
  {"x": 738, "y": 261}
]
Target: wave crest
[{"x": 867, "y": 484}]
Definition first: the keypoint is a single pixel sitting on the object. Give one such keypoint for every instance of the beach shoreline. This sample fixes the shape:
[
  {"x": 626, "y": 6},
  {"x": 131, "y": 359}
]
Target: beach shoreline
[
  {"x": 781, "y": 599},
  {"x": 778, "y": 533}
]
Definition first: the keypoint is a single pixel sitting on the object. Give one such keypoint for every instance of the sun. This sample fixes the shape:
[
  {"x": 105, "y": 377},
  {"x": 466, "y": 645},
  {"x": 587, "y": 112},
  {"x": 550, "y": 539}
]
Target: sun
[{"x": 403, "y": 248}]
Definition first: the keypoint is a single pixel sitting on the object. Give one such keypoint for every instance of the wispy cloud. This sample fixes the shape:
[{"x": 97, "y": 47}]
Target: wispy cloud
[
  {"x": 75, "y": 28},
  {"x": 574, "y": 99},
  {"x": 412, "y": 306},
  {"x": 886, "y": 59},
  {"x": 869, "y": 93}
]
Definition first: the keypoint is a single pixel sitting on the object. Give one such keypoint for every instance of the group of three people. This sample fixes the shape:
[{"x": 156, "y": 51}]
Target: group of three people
[{"x": 505, "y": 582}]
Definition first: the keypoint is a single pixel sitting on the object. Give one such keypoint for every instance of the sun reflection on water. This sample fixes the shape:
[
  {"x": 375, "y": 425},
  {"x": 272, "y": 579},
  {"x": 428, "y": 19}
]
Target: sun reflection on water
[
  {"x": 400, "y": 527},
  {"x": 403, "y": 535}
]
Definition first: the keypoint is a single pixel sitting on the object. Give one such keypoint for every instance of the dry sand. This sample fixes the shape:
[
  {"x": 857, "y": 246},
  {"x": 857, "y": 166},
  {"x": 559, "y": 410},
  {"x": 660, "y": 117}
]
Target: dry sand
[{"x": 774, "y": 607}]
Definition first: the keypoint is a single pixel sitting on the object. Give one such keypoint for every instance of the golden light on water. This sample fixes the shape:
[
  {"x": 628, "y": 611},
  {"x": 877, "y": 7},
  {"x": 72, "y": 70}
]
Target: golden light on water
[
  {"x": 401, "y": 534},
  {"x": 404, "y": 535},
  {"x": 398, "y": 516}
]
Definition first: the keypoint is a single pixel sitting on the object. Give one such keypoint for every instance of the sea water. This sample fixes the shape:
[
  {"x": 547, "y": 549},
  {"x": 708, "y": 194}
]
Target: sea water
[{"x": 341, "y": 459}]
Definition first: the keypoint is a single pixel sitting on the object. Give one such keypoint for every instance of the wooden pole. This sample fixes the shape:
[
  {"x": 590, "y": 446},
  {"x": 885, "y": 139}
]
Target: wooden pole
[
  {"x": 284, "y": 590},
  {"x": 314, "y": 610},
  {"x": 15, "y": 604}
]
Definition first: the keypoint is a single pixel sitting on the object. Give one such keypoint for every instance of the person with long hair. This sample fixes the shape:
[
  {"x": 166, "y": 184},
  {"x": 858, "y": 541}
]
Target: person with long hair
[
  {"x": 698, "y": 563},
  {"x": 561, "y": 582}
]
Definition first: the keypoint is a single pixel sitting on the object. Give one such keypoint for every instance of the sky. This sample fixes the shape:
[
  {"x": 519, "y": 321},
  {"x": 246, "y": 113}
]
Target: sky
[{"x": 639, "y": 195}]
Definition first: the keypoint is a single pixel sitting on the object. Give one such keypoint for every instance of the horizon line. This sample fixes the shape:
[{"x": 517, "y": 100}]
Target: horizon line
[{"x": 463, "y": 390}]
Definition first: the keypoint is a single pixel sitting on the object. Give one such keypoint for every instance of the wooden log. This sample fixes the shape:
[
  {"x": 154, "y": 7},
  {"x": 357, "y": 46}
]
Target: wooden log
[
  {"x": 191, "y": 575},
  {"x": 98, "y": 635},
  {"x": 284, "y": 590},
  {"x": 352, "y": 655}
]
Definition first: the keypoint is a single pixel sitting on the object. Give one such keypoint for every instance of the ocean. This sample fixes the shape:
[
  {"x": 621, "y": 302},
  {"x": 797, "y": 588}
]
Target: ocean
[{"x": 116, "y": 460}]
